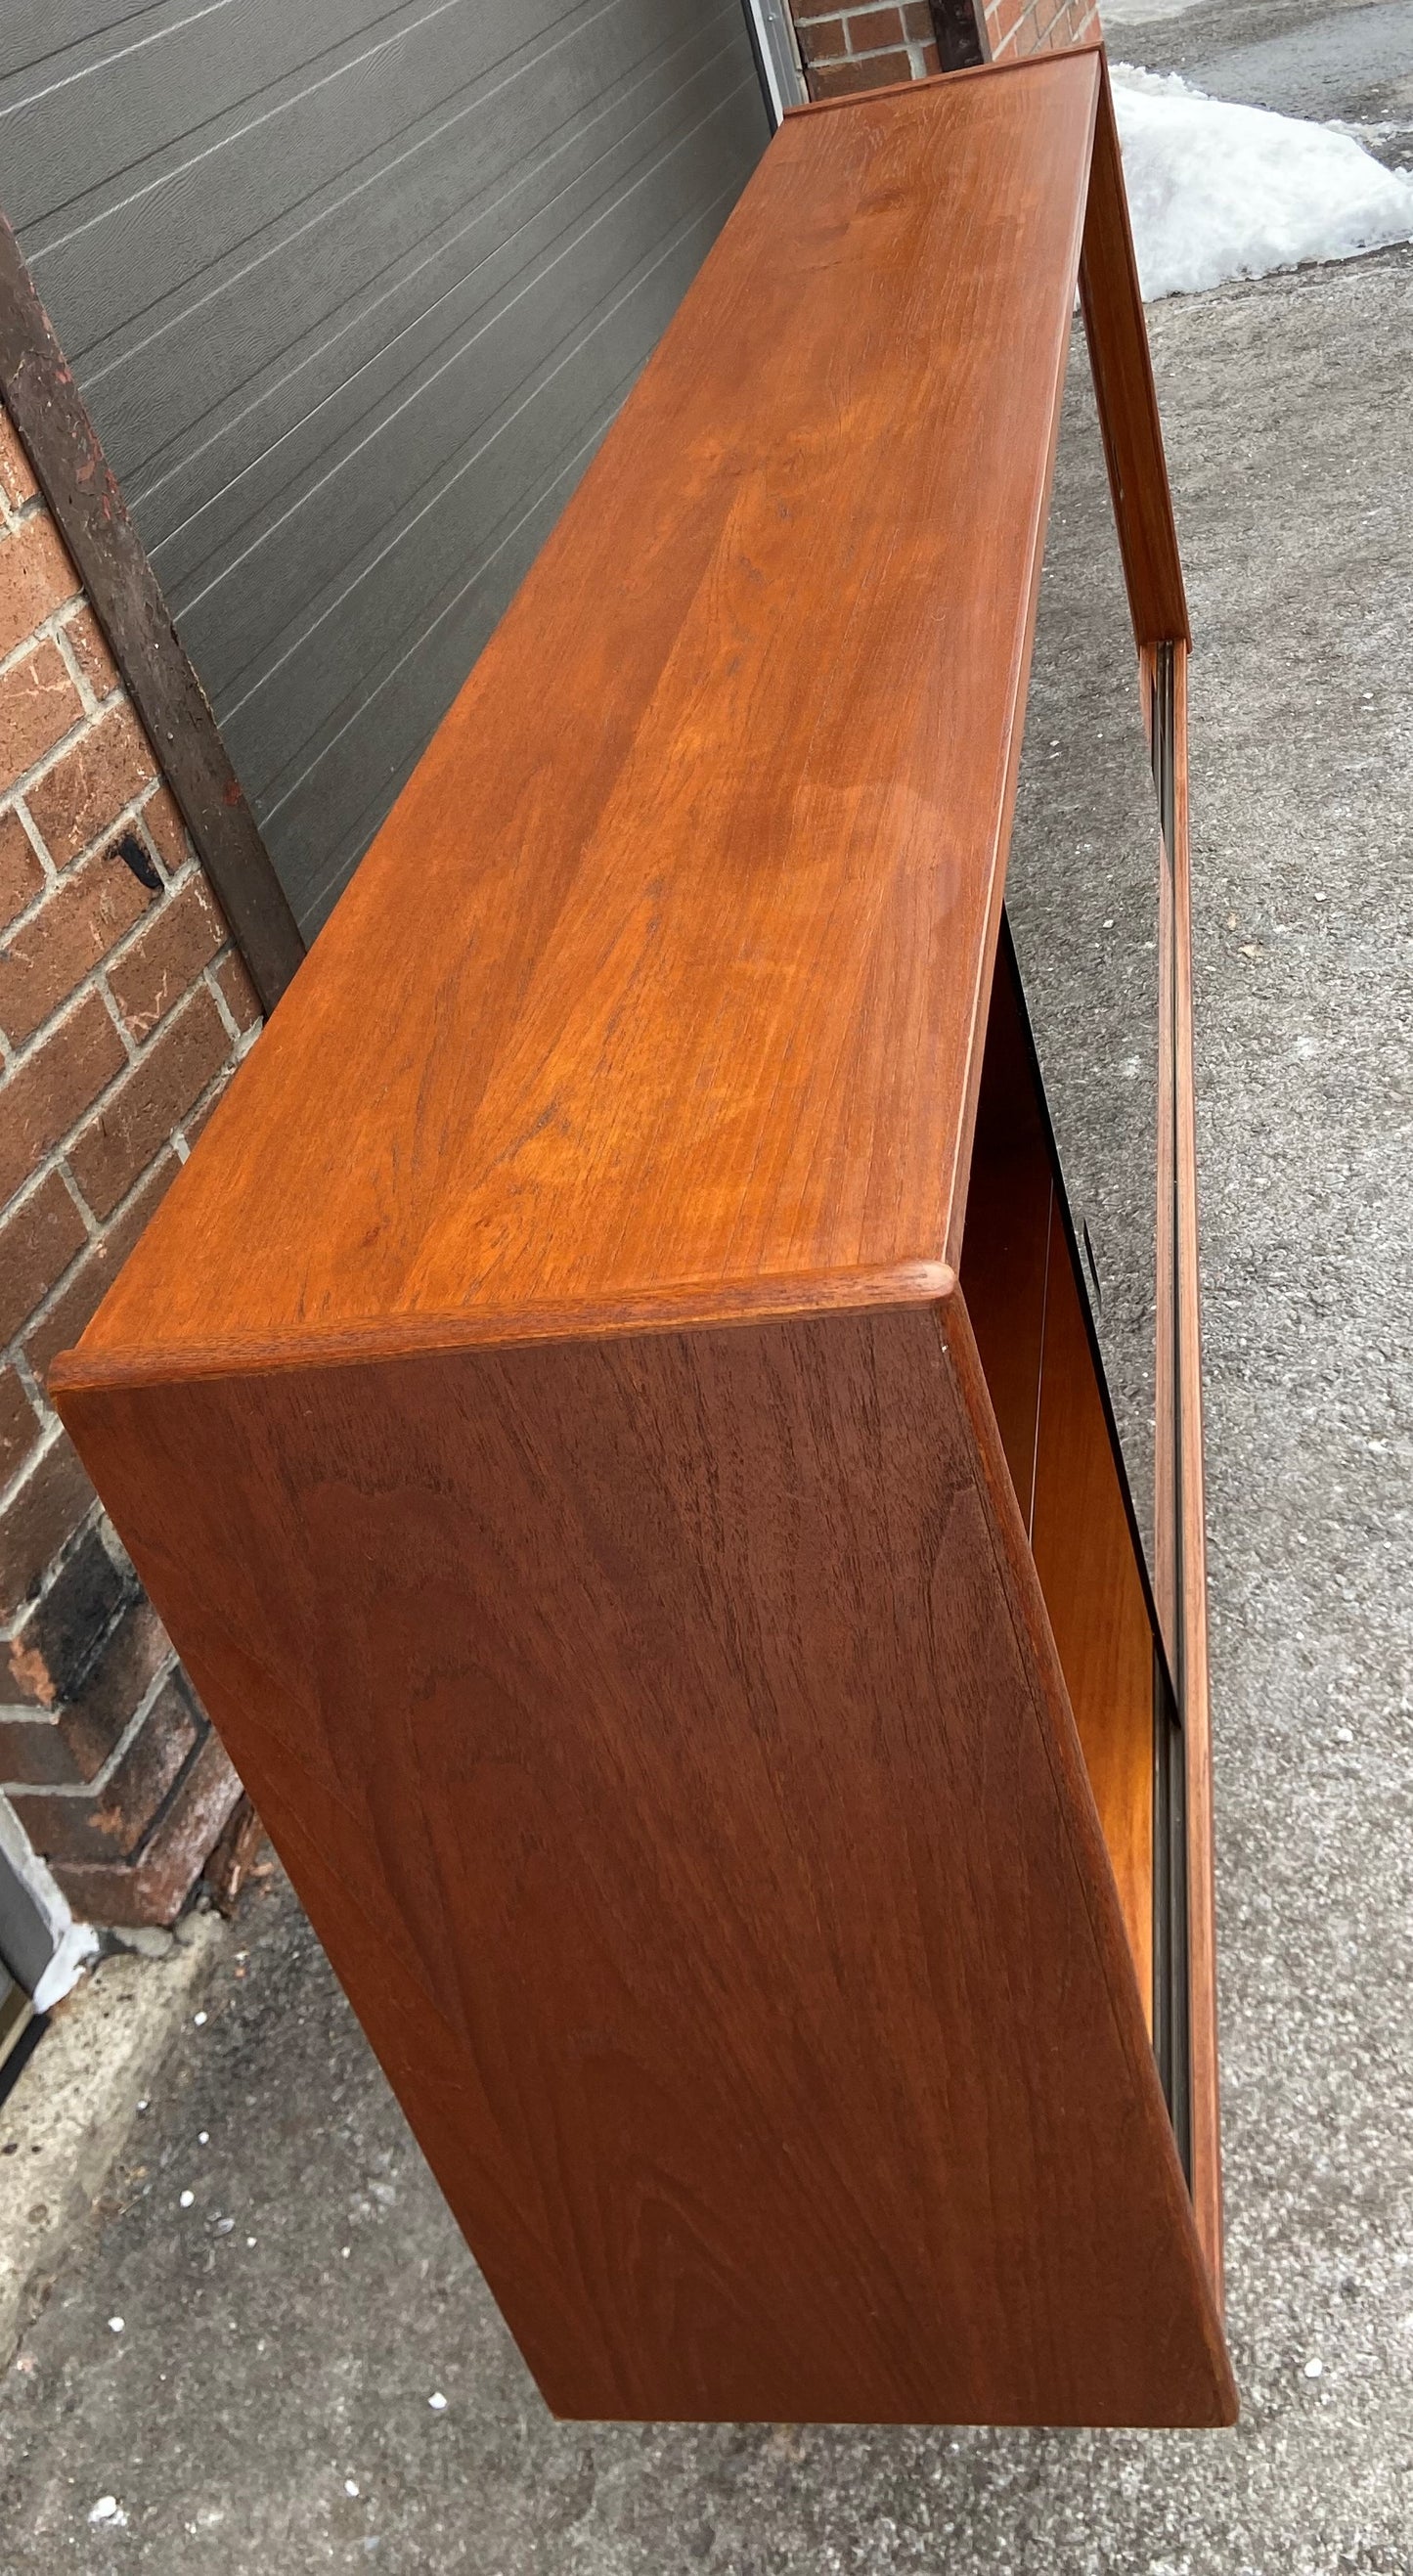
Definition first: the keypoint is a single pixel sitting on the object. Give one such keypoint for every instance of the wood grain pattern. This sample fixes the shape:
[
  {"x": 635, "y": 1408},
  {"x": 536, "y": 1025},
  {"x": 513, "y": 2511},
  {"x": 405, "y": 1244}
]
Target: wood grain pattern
[
  {"x": 682, "y": 954},
  {"x": 1127, "y": 396},
  {"x": 720, "y": 1889}
]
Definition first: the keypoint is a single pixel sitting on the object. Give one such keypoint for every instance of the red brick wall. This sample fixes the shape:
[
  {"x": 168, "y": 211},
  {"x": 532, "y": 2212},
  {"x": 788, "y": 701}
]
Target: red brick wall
[
  {"x": 846, "y": 49},
  {"x": 861, "y": 48},
  {"x": 1038, "y": 26},
  {"x": 123, "y": 1011}
]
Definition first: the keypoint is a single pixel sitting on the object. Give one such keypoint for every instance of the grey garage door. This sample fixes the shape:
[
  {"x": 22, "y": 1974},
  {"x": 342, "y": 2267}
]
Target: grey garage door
[{"x": 352, "y": 292}]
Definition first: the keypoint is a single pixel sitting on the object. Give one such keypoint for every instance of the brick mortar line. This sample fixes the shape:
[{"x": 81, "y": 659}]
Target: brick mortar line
[
  {"x": 845, "y": 15},
  {"x": 30, "y": 1187},
  {"x": 134, "y": 1859},
  {"x": 99, "y": 971},
  {"x": 90, "y": 983},
  {"x": 16, "y": 513},
  {"x": 31, "y": 912},
  {"x": 173, "y": 883},
  {"x": 132, "y": 812},
  {"x": 55, "y": 1163},
  {"x": 40, "y": 1405},
  {"x": 94, "y": 1518},
  {"x": 94, "y": 1788},
  {"x": 96, "y": 980},
  {"x": 93, "y": 1521},
  {"x": 88, "y": 695},
  {"x": 17, "y": 1057},
  {"x": 32, "y": 834},
  {"x": 239, "y": 1038},
  {"x": 30, "y": 1467},
  {"x": 14, "y": 1353},
  {"x": 55, "y": 1159},
  {"x": 245, "y": 1040},
  {"x": 90, "y": 1222},
  {"x": 51, "y": 630},
  {"x": 912, "y": 46},
  {"x": 97, "y": 977},
  {"x": 39, "y": 769},
  {"x": 34, "y": 909}
]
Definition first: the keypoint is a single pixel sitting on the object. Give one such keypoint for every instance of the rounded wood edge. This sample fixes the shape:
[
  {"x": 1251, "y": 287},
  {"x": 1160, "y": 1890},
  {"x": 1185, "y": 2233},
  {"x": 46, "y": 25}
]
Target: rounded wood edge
[{"x": 713, "y": 1306}]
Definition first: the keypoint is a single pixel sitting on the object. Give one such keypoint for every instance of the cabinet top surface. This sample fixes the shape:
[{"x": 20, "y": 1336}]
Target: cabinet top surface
[{"x": 666, "y": 977}]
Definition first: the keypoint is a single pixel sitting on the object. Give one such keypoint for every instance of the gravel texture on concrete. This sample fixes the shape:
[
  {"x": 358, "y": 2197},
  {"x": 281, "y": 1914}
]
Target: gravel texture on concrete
[
  {"x": 270, "y": 2398},
  {"x": 64, "y": 2125}
]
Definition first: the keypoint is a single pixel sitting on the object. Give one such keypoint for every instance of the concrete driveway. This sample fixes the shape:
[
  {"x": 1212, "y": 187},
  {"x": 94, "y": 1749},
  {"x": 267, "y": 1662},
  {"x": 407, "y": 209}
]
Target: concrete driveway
[{"x": 270, "y": 2399}]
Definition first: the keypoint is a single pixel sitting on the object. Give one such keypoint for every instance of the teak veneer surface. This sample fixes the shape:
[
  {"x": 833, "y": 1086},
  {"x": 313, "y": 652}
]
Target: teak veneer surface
[
  {"x": 663, "y": 1736},
  {"x": 669, "y": 967},
  {"x": 664, "y": 1727}
]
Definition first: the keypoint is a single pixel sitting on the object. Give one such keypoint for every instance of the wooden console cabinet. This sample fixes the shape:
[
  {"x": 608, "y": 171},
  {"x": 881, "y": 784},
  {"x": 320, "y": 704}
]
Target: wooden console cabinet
[{"x": 610, "y": 1413}]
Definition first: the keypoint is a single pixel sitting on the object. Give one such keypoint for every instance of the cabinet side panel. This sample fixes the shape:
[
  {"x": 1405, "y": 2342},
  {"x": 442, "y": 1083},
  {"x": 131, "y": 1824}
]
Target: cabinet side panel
[{"x": 650, "y": 1730}]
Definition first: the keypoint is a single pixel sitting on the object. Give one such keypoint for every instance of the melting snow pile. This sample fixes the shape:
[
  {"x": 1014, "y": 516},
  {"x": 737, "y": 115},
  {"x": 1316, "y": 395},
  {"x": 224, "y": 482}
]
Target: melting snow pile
[{"x": 1218, "y": 191}]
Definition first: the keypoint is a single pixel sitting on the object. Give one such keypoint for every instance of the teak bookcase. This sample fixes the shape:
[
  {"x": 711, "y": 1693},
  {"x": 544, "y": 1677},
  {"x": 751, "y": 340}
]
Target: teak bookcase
[{"x": 570, "y": 1410}]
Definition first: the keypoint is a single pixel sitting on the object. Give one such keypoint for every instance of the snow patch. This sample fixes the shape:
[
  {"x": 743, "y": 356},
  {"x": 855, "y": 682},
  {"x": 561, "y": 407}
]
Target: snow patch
[
  {"x": 1218, "y": 191},
  {"x": 1144, "y": 13}
]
